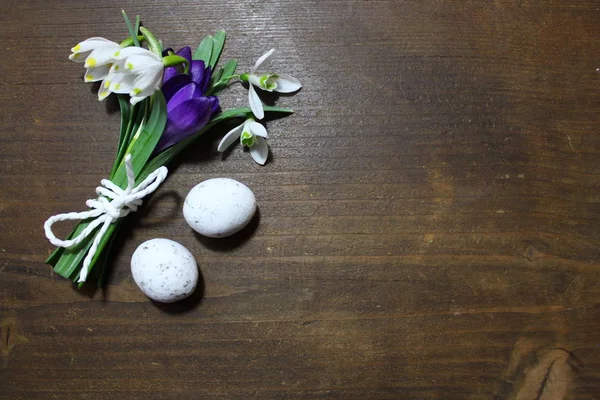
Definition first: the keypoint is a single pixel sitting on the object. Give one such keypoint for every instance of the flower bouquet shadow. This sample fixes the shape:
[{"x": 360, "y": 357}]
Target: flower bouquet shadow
[{"x": 203, "y": 149}]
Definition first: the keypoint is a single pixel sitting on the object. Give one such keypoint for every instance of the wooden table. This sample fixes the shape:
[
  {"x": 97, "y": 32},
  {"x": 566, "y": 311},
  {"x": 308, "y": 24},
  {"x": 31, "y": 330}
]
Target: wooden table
[{"x": 429, "y": 218}]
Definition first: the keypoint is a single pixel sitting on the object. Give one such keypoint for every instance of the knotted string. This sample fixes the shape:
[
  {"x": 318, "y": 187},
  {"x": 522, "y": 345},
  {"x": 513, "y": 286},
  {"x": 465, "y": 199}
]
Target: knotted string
[{"x": 105, "y": 211}]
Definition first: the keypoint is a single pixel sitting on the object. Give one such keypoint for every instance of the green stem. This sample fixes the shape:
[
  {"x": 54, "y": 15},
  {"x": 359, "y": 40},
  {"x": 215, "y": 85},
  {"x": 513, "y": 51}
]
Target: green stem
[
  {"x": 132, "y": 32},
  {"x": 174, "y": 60},
  {"x": 136, "y": 119},
  {"x": 219, "y": 83},
  {"x": 153, "y": 43},
  {"x": 129, "y": 41},
  {"x": 137, "y": 24}
]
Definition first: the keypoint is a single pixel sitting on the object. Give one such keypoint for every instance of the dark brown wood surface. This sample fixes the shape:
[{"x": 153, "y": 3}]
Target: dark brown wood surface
[{"x": 429, "y": 218}]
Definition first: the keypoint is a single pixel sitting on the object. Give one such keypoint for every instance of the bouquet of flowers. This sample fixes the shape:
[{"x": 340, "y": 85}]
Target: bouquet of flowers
[{"x": 167, "y": 100}]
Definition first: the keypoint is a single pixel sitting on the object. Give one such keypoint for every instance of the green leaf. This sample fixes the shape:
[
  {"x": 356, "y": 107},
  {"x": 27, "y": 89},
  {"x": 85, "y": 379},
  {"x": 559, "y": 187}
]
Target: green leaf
[
  {"x": 216, "y": 76},
  {"x": 56, "y": 254},
  {"x": 229, "y": 68},
  {"x": 153, "y": 43},
  {"x": 54, "y": 257},
  {"x": 136, "y": 123},
  {"x": 137, "y": 24},
  {"x": 128, "y": 42},
  {"x": 125, "y": 123},
  {"x": 167, "y": 155},
  {"x": 101, "y": 265},
  {"x": 132, "y": 33},
  {"x": 217, "y": 48},
  {"x": 204, "y": 50},
  {"x": 222, "y": 77},
  {"x": 125, "y": 117},
  {"x": 215, "y": 83},
  {"x": 70, "y": 260},
  {"x": 143, "y": 143}
]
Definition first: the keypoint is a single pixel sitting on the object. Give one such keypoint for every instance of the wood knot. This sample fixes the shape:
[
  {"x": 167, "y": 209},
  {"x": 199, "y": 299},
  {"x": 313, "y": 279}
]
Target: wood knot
[
  {"x": 548, "y": 375},
  {"x": 531, "y": 253},
  {"x": 9, "y": 336}
]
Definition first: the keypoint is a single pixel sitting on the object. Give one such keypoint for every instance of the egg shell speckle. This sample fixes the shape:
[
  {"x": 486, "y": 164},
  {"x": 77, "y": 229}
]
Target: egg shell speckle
[
  {"x": 219, "y": 207},
  {"x": 164, "y": 270}
]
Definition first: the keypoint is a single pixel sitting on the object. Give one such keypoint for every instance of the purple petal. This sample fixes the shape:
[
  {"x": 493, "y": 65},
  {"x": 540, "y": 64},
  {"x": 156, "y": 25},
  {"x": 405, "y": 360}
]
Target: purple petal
[
  {"x": 197, "y": 71},
  {"x": 214, "y": 104},
  {"x": 185, "y": 52},
  {"x": 188, "y": 92},
  {"x": 169, "y": 73},
  {"x": 171, "y": 86},
  {"x": 185, "y": 119},
  {"x": 205, "y": 79}
]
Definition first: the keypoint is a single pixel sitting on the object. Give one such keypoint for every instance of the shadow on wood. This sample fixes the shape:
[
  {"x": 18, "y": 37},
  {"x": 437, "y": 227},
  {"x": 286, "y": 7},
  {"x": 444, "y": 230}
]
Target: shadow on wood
[
  {"x": 186, "y": 305},
  {"x": 231, "y": 242}
]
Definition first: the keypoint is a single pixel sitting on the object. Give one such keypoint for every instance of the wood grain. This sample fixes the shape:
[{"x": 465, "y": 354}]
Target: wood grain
[{"x": 429, "y": 217}]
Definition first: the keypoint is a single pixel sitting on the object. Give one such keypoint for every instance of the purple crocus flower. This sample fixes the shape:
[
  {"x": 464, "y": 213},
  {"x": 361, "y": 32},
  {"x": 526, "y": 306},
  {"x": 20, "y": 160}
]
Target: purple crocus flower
[{"x": 188, "y": 109}]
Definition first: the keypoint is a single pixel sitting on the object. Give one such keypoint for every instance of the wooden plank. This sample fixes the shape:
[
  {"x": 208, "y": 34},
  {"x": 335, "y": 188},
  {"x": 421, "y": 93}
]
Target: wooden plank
[{"x": 428, "y": 222}]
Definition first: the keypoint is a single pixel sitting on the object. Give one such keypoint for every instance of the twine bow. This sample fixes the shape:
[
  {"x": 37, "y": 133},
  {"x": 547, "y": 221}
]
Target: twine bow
[{"x": 105, "y": 211}]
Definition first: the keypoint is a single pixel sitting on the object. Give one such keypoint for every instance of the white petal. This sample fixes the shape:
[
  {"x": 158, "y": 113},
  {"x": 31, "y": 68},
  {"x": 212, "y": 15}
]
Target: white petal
[
  {"x": 117, "y": 67},
  {"x": 256, "y": 129},
  {"x": 91, "y": 44},
  {"x": 103, "y": 93},
  {"x": 254, "y": 79},
  {"x": 96, "y": 74},
  {"x": 267, "y": 85},
  {"x": 136, "y": 99},
  {"x": 141, "y": 95},
  {"x": 255, "y": 103},
  {"x": 143, "y": 61},
  {"x": 260, "y": 151},
  {"x": 148, "y": 80},
  {"x": 120, "y": 82},
  {"x": 230, "y": 138},
  {"x": 102, "y": 55},
  {"x": 79, "y": 57},
  {"x": 287, "y": 84},
  {"x": 158, "y": 79},
  {"x": 262, "y": 59},
  {"x": 129, "y": 51}
]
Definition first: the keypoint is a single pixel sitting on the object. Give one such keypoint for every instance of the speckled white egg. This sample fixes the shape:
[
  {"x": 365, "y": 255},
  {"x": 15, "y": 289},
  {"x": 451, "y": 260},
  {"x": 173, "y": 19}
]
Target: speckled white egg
[
  {"x": 164, "y": 270},
  {"x": 219, "y": 207}
]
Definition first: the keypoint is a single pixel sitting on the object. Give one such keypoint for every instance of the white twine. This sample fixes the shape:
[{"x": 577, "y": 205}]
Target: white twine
[{"x": 106, "y": 211}]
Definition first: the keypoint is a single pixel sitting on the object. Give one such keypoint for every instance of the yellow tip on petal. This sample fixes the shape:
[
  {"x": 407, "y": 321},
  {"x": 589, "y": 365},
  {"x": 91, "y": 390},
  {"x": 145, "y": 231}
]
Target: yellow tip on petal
[
  {"x": 102, "y": 95},
  {"x": 129, "y": 65},
  {"x": 89, "y": 78},
  {"x": 106, "y": 84},
  {"x": 75, "y": 56},
  {"x": 116, "y": 86},
  {"x": 116, "y": 67},
  {"x": 76, "y": 48},
  {"x": 117, "y": 53},
  {"x": 136, "y": 91},
  {"x": 90, "y": 62}
]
